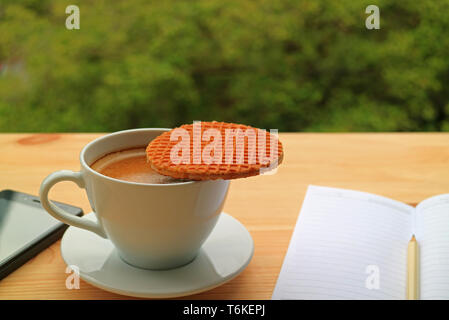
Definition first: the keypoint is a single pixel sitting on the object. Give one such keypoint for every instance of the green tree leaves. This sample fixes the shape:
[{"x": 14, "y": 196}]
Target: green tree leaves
[{"x": 289, "y": 64}]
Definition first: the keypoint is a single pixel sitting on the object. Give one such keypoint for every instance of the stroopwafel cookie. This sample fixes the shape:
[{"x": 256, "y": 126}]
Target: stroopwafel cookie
[{"x": 214, "y": 150}]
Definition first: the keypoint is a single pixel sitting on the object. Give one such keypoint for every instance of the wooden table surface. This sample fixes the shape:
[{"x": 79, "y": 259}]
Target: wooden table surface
[{"x": 405, "y": 166}]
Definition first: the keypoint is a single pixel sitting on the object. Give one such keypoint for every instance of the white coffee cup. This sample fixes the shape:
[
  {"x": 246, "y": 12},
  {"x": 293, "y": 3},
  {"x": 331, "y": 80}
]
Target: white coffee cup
[{"x": 152, "y": 226}]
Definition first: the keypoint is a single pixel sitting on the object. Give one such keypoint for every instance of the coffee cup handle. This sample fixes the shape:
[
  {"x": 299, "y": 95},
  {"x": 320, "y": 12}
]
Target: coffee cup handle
[{"x": 58, "y": 213}]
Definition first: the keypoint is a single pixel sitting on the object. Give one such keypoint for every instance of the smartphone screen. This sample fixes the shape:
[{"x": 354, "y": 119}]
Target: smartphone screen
[{"x": 23, "y": 223}]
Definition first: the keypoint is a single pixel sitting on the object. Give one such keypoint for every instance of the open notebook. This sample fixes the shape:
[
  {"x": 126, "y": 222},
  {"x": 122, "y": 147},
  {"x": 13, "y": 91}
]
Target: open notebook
[{"x": 344, "y": 238}]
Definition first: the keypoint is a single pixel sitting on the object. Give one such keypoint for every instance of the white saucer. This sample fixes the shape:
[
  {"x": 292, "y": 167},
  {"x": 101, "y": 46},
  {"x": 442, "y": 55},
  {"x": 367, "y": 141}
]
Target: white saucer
[{"x": 225, "y": 254}]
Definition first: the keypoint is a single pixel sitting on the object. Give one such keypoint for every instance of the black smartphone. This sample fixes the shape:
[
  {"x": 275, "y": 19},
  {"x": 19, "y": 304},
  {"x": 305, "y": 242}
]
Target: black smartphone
[{"x": 26, "y": 228}]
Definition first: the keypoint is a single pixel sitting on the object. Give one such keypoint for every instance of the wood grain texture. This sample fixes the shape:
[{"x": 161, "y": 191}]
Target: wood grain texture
[{"x": 405, "y": 166}]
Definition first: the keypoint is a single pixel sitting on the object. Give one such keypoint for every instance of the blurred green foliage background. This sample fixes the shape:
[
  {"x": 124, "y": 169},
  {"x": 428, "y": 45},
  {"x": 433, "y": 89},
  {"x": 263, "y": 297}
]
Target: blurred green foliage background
[{"x": 287, "y": 64}]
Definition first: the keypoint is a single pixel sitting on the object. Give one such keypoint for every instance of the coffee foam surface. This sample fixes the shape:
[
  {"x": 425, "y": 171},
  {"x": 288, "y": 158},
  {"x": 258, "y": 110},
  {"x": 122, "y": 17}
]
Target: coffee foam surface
[
  {"x": 112, "y": 157},
  {"x": 114, "y": 165}
]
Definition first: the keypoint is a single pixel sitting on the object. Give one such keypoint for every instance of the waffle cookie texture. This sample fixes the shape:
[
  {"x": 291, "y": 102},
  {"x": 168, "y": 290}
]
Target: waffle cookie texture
[{"x": 214, "y": 150}]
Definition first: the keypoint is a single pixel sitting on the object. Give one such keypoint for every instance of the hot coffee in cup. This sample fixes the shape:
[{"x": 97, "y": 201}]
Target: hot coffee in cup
[
  {"x": 154, "y": 222},
  {"x": 130, "y": 165}
]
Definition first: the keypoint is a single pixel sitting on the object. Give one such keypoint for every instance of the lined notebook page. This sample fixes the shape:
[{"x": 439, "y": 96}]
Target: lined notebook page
[
  {"x": 432, "y": 234},
  {"x": 341, "y": 238}
]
